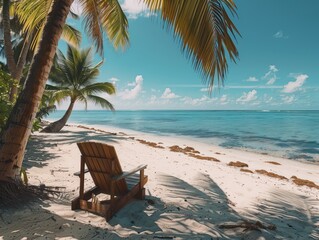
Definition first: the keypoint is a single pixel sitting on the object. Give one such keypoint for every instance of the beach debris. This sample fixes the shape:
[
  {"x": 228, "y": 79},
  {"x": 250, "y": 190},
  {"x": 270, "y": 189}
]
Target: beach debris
[
  {"x": 249, "y": 226},
  {"x": 271, "y": 174},
  {"x": 237, "y": 164},
  {"x": 190, "y": 151},
  {"x": 272, "y": 162},
  {"x": 151, "y": 144},
  {"x": 304, "y": 182},
  {"x": 246, "y": 170},
  {"x": 203, "y": 157}
]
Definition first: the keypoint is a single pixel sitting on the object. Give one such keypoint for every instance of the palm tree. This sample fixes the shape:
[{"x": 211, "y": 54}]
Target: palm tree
[
  {"x": 74, "y": 76},
  {"x": 202, "y": 27},
  {"x": 27, "y": 37}
]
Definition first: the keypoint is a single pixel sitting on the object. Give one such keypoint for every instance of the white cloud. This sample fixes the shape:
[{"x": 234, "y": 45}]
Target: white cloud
[
  {"x": 253, "y": 86},
  {"x": 198, "y": 101},
  {"x": 280, "y": 34},
  {"x": 252, "y": 79},
  {"x": 273, "y": 68},
  {"x": 135, "y": 91},
  {"x": 271, "y": 81},
  {"x": 288, "y": 99},
  {"x": 247, "y": 97},
  {"x": 204, "y": 89},
  {"x": 168, "y": 94},
  {"x": 131, "y": 84},
  {"x": 296, "y": 85},
  {"x": 271, "y": 75},
  {"x": 268, "y": 99},
  {"x": 153, "y": 99},
  {"x": 223, "y": 100},
  {"x": 135, "y": 9},
  {"x": 76, "y": 7},
  {"x": 114, "y": 80}
]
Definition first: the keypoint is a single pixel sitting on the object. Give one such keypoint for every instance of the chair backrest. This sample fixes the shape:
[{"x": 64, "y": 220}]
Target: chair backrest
[{"x": 100, "y": 158}]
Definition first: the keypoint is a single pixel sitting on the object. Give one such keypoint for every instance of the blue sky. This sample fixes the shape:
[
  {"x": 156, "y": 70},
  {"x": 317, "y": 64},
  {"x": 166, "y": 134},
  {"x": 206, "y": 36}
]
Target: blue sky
[{"x": 277, "y": 66}]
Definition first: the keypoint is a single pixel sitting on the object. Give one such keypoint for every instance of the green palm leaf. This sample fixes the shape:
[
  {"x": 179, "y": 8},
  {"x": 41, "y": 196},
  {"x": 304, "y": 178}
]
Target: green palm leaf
[
  {"x": 108, "y": 16},
  {"x": 73, "y": 76},
  {"x": 71, "y": 35},
  {"x": 101, "y": 87},
  {"x": 101, "y": 101},
  {"x": 32, "y": 15},
  {"x": 204, "y": 31}
]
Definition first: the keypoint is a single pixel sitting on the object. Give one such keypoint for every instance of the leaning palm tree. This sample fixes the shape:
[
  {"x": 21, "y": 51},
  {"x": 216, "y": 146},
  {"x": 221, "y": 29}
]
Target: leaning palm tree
[
  {"x": 203, "y": 28},
  {"x": 27, "y": 36},
  {"x": 74, "y": 77}
]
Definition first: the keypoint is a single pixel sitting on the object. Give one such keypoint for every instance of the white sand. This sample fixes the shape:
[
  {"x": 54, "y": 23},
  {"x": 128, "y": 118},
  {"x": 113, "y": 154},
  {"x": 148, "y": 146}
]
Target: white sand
[{"x": 192, "y": 198}]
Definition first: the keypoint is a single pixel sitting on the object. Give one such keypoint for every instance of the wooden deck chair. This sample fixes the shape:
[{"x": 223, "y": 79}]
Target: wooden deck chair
[{"x": 104, "y": 166}]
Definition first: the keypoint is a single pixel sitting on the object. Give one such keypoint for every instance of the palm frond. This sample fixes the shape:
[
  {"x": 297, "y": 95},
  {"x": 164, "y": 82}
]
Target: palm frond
[
  {"x": 101, "y": 87},
  {"x": 73, "y": 76},
  {"x": 115, "y": 23},
  {"x": 91, "y": 14},
  {"x": 204, "y": 31},
  {"x": 61, "y": 94},
  {"x": 108, "y": 15},
  {"x": 71, "y": 35},
  {"x": 32, "y": 15},
  {"x": 101, "y": 101}
]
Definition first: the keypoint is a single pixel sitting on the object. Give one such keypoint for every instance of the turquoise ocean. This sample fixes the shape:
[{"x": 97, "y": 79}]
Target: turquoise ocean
[{"x": 289, "y": 134}]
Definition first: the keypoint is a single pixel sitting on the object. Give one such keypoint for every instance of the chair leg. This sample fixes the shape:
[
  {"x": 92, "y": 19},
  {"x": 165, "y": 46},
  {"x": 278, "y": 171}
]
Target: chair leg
[
  {"x": 141, "y": 194},
  {"x": 75, "y": 204}
]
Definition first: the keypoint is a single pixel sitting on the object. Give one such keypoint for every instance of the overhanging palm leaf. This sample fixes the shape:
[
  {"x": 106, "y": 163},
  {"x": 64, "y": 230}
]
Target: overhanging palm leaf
[
  {"x": 101, "y": 15},
  {"x": 204, "y": 30},
  {"x": 101, "y": 101},
  {"x": 95, "y": 88},
  {"x": 32, "y": 15}
]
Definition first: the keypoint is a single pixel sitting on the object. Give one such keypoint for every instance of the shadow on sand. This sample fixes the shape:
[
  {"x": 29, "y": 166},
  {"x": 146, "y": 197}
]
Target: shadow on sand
[
  {"x": 194, "y": 212},
  {"x": 37, "y": 152}
]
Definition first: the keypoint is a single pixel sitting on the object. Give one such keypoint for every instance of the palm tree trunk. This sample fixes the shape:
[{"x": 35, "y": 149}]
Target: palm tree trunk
[
  {"x": 17, "y": 74},
  {"x": 7, "y": 40},
  {"x": 58, "y": 125},
  {"x": 15, "y": 69},
  {"x": 16, "y": 133}
]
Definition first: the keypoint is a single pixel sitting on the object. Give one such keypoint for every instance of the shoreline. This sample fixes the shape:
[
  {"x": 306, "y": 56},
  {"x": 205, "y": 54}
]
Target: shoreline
[
  {"x": 188, "y": 140},
  {"x": 213, "y": 141},
  {"x": 189, "y": 193}
]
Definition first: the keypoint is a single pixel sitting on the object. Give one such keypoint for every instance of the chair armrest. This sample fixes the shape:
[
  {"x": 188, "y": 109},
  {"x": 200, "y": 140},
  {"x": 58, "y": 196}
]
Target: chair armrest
[
  {"x": 79, "y": 172},
  {"x": 126, "y": 174}
]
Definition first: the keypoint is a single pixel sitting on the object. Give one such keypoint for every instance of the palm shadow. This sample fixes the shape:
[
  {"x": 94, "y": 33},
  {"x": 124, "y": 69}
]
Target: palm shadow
[
  {"x": 203, "y": 209},
  {"x": 295, "y": 216},
  {"x": 39, "y": 146}
]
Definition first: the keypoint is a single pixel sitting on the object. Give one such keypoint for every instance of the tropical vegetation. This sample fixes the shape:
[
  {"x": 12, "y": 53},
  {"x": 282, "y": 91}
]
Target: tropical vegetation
[
  {"x": 73, "y": 76},
  {"x": 203, "y": 29}
]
